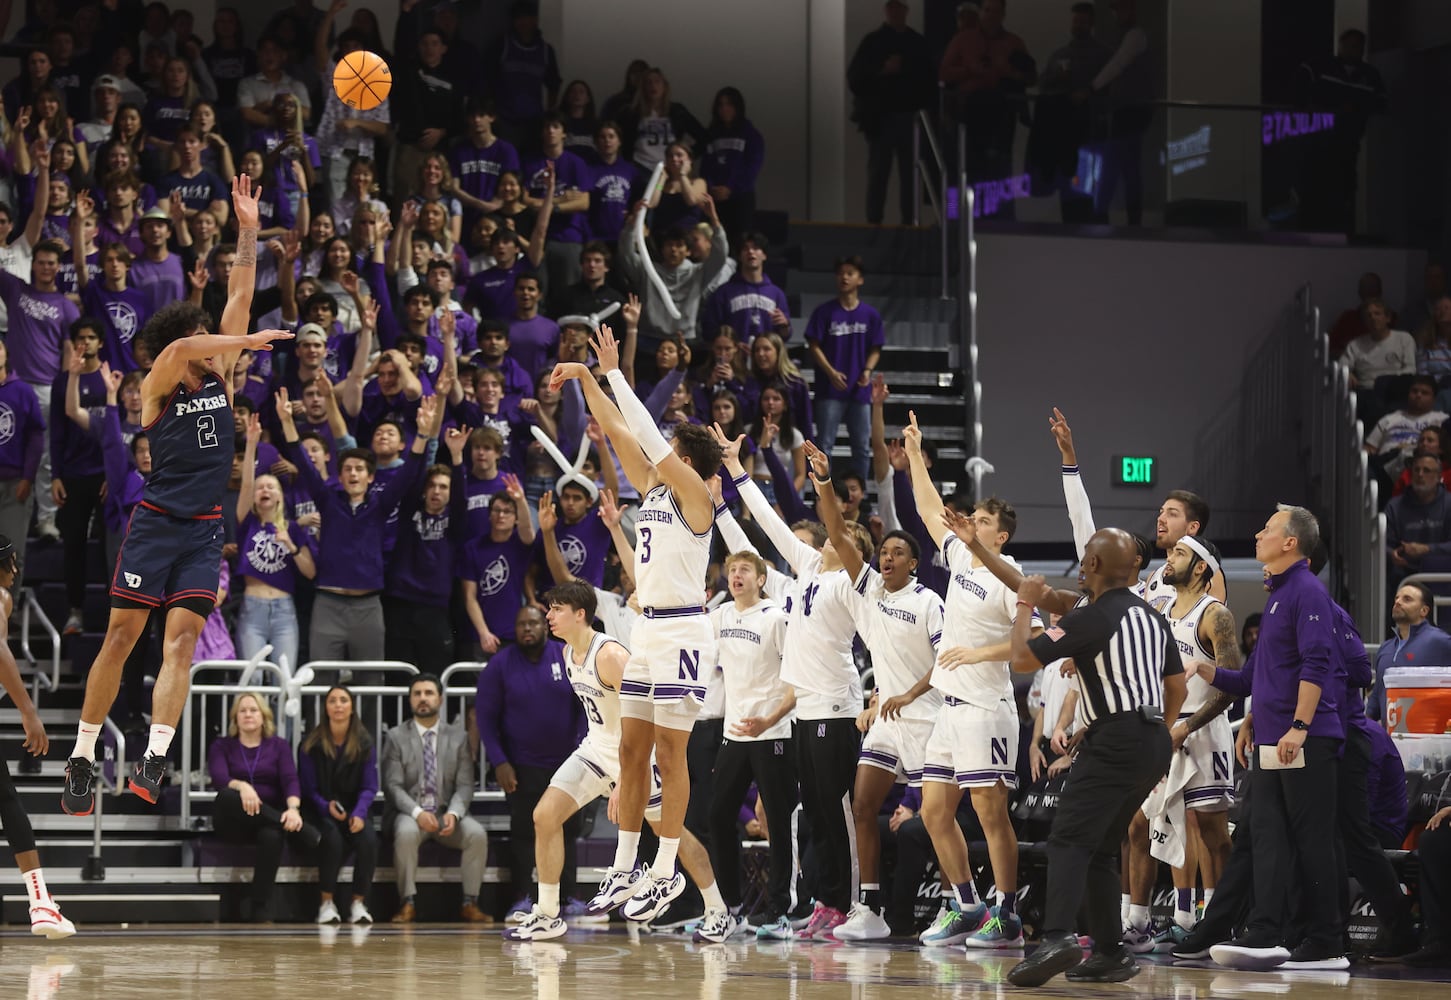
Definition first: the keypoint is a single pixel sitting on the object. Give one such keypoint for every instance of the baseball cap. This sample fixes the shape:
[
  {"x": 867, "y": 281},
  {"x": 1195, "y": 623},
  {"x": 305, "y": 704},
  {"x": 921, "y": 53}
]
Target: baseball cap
[
  {"x": 158, "y": 213},
  {"x": 107, "y": 81},
  {"x": 311, "y": 331}
]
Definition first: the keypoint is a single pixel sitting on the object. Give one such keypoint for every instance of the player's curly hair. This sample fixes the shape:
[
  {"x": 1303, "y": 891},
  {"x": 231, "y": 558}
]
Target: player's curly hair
[
  {"x": 171, "y": 323},
  {"x": 699, "y": 447}
]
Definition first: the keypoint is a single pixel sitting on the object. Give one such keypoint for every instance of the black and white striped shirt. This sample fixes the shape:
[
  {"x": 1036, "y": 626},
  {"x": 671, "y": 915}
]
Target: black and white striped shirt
[{"x": 1122, "y": 649}]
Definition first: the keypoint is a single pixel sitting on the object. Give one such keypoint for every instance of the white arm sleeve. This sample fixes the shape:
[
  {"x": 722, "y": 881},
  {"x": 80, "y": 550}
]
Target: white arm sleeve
[
  {"x": 802, "y": 557},
  {"x": 641, "y": 424},
  {"x": 1080, "y": 511},
  {"x": 736, "y": 541}
]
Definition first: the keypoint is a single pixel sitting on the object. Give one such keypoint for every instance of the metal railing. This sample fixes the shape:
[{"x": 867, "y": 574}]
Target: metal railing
[
  {"x": 1342, "y": 486},
  {"x": 935, "y": 186},
  {"x": 197, "y": 717},
  {"x": 94, "y": 869},
  {"x": 30, "y": 606}
]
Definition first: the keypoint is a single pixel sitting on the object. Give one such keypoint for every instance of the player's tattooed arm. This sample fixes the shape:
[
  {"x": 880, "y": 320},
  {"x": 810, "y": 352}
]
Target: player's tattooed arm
[
  {"x": 246, "y": 249},
  {"x": 1224, "y": 637}
]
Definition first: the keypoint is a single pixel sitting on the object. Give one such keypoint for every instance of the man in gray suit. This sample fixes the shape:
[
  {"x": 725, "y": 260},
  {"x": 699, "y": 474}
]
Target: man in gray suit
[{"x": 428, "y": 783}]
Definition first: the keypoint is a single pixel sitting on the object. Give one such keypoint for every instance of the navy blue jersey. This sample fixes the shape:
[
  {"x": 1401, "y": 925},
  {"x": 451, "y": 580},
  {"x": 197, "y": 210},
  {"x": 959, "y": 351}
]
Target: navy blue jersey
[{"x": 191, "y": 451}]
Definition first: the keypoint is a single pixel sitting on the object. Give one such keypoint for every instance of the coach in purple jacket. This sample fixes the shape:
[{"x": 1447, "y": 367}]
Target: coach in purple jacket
[{"x": 1295, "y": 676}]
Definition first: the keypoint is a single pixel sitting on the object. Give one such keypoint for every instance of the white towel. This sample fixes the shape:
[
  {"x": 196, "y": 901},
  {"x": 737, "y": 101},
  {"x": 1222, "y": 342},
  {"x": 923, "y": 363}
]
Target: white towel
[{"x": 1165, "y": 810}]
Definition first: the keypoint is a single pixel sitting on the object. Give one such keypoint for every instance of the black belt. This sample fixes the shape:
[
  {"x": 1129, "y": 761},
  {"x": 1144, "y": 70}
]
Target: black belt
[
  {"x": 695, "y": 609},
  {"x": 1152, "y": 714}
]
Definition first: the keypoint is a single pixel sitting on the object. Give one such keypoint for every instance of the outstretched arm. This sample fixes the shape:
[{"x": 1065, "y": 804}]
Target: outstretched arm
[
  {"x": 237, "y": 314},
  {"x": 829, "y": 507},
  {"x": 929, "y": 501},
  {"x": 1080, "y": 512},
  {"x": 1058, "y": 602}
]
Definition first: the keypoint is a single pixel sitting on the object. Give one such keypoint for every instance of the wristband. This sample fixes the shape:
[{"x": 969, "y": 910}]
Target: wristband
[{"x": 1024, "y": 604}]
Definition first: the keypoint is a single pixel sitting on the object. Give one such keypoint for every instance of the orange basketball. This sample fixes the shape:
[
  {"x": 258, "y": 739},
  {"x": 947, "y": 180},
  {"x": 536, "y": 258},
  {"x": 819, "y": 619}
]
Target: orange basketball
[{"x": 362, "y": 80}]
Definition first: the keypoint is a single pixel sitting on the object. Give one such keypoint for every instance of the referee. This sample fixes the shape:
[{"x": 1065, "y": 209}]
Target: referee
[{"x": 1130, "y": 679}]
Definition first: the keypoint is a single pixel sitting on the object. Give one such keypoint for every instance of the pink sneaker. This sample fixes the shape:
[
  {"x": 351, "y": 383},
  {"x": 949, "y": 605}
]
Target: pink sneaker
[
  {"x": 813, "y": 923},
  {"x": 830, "y": 919}
]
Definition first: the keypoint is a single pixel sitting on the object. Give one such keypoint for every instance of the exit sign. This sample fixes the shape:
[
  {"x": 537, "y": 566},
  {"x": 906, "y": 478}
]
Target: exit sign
[{"x": 1135, "y": 470}]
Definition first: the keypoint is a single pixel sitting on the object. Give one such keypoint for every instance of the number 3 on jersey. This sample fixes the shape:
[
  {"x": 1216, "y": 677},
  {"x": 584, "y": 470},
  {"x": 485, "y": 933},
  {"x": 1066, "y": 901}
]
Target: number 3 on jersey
[
  {"x": 644, "y": 536},
  {"x": 593, "y": 711},
  {"x": 206, "y": 431}
]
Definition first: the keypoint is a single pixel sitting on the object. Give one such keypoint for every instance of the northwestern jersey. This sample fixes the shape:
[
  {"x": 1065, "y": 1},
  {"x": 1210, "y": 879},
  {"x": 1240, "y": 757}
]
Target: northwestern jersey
[
  {"x": 670, "y": 559},
  {"x": 1156, "y": 593},
  {"x": 902, "y": 630},
  {"x": 979, "y": 612},
  {"x": 1186, "y": 637},
  {"x": 191, "y": 451},
  {"x": 750, "y": 644},
  {"x": 601, "y": 702}
]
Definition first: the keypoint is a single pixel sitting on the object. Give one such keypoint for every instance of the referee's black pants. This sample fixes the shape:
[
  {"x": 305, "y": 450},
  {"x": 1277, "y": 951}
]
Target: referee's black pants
[
  {"x": 772, "y": 765},
  {"x": 826, "y": 756},
  {"x": 1293, "y": 827},
  {"x": 1122, "y": 759}
]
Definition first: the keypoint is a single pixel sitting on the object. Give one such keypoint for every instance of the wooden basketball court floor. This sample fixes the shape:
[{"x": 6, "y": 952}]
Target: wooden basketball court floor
[{"x": 297, "y": 961}]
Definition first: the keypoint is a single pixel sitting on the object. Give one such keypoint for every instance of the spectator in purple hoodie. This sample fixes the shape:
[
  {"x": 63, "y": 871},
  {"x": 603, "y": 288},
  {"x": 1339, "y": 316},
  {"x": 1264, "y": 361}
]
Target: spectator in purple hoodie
[
  {"x": 846, "y": 338},
  {"x": 491, "y": 569},
  {"x": 734, "y": 152},
  {"x": 22, "y": 442}
]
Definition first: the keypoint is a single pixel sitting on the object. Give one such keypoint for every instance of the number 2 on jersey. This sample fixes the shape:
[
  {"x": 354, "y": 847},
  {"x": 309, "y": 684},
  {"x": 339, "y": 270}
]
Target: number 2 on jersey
[
  {"x": 644, "y": 535},
  {"x": 206, "y": 431}
]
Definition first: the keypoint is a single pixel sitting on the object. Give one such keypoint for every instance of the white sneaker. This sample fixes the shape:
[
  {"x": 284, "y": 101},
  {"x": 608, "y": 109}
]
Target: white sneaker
[
  {"x": 862, "y": 924},
  {"x": 359, "y": 913},
  {"x": 327, "y": 913},
  {"x": 46, "y": 529},
  {"x": 718, "y": 926},
  {"x": 537, "y": 926},
  {"x": 74, "y": 623},
  {"x": 46, "y": 921},
  {"x": 616, "y": 887},
  {"x": 1139, "y": 940},
  {"x": 652, "y": 894}
]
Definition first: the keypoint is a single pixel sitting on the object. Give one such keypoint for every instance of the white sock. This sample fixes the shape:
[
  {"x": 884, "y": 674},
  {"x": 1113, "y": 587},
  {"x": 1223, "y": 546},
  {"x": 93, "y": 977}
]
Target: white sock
[
  {"x": 1124, "y": 901},
  {"x": 1208, "y": 895},
  {"x": 1138, "y": 917},
  {"x": 713, "y": 899},
  {"x": 1184, "y": 919},
  {"x": 549, "y": 898},
  {"x": 626, "y": 848},
  {"x": 35, "y": 887},
  {"x": 160, "y": 741},
  {"x": 86, "y": 741},
  {"x": 664, "y": 866}
]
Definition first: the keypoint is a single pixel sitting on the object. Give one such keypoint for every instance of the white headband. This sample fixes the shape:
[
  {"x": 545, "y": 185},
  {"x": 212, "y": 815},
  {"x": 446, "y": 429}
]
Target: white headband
[{"x": 1202, "y": 551}]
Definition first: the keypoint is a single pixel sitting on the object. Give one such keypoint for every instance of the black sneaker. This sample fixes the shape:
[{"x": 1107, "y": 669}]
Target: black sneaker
[
  {"x": 146, "y": 781},
  {"x": 1053, "y": 955},
  {"x": 1432, "y": 956},
  {"x": 1105, "y": 968},
  {"x": 1313, "y": 957},
  {"x": 1196, "y": 945},
  {"x": 78, "y": 798}
]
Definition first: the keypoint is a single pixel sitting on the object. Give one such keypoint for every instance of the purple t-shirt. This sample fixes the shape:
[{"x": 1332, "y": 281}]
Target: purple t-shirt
[
  {"x": 533, "y": 342},
  {"x": 130, "y": 238},
  {"x": 123, "y": 313},
  {"x": 479, "y": 492},
  {"x": 24, "y": 424},
  {"x": 584, "y": 547},
  {"x": 569, "y": 172},
  {"x": 492, "y": 291},
  {"x": 611, "y": 188},
  {"x": 39, "y": 325},
  {"x": 498, "y": 568},
  {"x": 846, "y": 337},
  {"x": 268, "y": 139},
  {"x": 167, "y": 276},
  {"x": 477, "y": 169},
  {"x": 65, "y": 278},
  {"x": 196, "y": 192},
  {"x": 262, "y": 557},
  {"x": 745, "y": 307},
  {"x": 163, "y": 117}
]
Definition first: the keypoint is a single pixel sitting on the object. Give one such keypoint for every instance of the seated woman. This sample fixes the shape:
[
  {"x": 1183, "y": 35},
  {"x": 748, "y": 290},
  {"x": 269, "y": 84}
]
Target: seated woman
[
  {"x": 257, "y": 794},
  {"x": 338, "y": 769}
]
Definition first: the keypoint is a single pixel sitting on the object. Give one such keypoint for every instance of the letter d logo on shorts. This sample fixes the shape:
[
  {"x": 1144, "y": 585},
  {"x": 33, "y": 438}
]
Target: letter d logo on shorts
[{"x": 132, "y": 580}]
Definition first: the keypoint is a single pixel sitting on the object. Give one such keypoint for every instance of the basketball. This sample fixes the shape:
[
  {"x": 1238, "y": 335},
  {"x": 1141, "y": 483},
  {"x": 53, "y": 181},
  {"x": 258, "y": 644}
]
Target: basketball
[{"x": 362, "y": 80}]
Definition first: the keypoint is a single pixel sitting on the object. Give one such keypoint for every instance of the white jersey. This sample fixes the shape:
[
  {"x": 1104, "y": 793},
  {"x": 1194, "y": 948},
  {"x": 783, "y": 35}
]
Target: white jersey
[
  {"x": 750, "y": 644},
  {"x": 1155, "y": 591},
  {"x": 670, "y": 559},
  {"x": 818, "y": 660},
  {"x": 1186, "y": 635},
  {"x": 902, "y": 631},
  {"x": 980, "y": 612},
  {"x": 601, "y": 702},
  {"x": 615, "y": 615}
]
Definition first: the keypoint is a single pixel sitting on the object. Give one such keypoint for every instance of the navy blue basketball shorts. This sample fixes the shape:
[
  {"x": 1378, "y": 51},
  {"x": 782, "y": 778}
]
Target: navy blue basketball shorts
[{"x": 171, "y": 561}]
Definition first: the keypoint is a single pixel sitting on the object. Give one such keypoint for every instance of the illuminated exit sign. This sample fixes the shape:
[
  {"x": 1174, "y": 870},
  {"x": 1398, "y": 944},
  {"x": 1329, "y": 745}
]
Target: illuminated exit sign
[{"x": 1135, "y": 470}]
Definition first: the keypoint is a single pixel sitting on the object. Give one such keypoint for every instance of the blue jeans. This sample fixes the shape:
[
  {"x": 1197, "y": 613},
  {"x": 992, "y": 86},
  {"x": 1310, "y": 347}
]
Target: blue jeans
[
  {"x": 266, "y": 620},
  {"x": 829, "y": 413}
]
